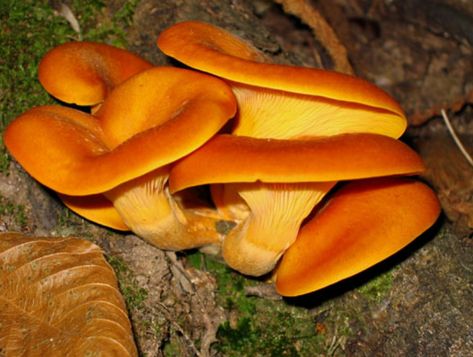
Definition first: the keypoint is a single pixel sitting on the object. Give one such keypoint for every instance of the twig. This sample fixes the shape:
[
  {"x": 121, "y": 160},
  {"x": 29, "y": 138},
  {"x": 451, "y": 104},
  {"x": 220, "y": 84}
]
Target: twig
[
  {"x": 307, "y": 13},
  {"x": 335, "y": 344},
  {"x": 455, "y": 137},
  {"x": 180, "y": 273},
  {"x": 187, "y": 284},
  {"x": 179, "y": 328},
  {"x": 66, "y": 12}
]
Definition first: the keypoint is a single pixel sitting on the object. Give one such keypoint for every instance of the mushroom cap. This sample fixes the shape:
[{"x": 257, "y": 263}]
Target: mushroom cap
[
  {"x": 216, "y": 51},
  {"x": 228, "y": 158},
  {"x": 84, "y": 73},
  {"x": 362, "y": 224},
  {"x": 96, "y": 208},
  {"x": 154, "y": 118}
]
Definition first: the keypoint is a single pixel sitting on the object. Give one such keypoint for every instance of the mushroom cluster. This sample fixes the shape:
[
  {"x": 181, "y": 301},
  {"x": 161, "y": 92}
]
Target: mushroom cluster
[
  {"x": 310, "y": 171},
  {"x": 112, "y": 165}
]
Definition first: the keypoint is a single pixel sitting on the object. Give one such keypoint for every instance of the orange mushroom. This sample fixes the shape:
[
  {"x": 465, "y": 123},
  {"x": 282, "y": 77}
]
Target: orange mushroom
[
  {"x": 96, "y": 208},
  {"x": 281, "y": 181},
  {"x": 121, "y": 155},
  {"x": 290, "y": 103},
  {"x": 281, "y": 101},
  {"x": 362, "y": 224},
  {"x": 83, "y": 73}
]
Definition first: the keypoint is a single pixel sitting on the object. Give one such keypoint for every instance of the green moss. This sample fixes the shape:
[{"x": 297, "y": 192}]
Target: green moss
[
  {"x": 14, "y": 211},
  {"x": 173, "y": 347},
  {"x": 4, "y": 157},
  {"x": 271, "y": 331},
  {"x": 98, "y": 24},
  {"x": 133, "y": 294},
  {"x": 259, "y": 327},
  {"x": 64, "y": 218},
  {"x": 28, "y": 29},
  {"x": 376, "y": 289}
]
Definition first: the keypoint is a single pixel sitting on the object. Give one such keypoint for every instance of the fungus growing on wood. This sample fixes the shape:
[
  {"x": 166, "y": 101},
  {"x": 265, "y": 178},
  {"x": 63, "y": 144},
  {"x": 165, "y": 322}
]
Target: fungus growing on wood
[
  {"x": 294, "y": 104},
  {"x": 123, "y": 152},
  {"x": 362, "y": 224},
  {"x": 84, "y": 73},
  {"x": 281, "y": 181},
  {"x": 282, "y": 101}
]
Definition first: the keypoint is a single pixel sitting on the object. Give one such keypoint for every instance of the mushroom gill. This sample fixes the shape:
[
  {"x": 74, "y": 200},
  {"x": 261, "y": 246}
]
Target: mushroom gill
[
  {"x": 276, "y": 212},
  {"x": 281, "y": 101}
]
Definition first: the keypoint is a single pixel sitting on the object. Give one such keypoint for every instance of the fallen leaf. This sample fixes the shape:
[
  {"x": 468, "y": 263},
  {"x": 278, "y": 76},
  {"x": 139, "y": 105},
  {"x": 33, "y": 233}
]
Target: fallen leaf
[{"x": 59, "y": 297}]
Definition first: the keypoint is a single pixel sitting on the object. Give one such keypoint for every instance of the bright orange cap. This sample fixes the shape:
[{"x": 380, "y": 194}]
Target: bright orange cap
[
  {"x": 327, "y": 102},
  {"x": 83, "y": 73},
  {"x": 362, "y": 224},
  {"x": 228, "y": 158}
]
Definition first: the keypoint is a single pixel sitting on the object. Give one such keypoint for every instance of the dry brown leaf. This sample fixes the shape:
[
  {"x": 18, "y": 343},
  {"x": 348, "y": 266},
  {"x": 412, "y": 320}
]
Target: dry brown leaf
[{"x": 59, "y": 297}]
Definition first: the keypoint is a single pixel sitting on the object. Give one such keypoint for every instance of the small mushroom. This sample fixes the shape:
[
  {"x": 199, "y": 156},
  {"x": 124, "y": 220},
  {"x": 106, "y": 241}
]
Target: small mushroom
[
  {"x": 123, "y": 152},
  {"x": 281, "y": 181},
  {"x": 362, "y": 224},
  {"x": 84, "y": 73},
  {"x": 280, "y": 101}
]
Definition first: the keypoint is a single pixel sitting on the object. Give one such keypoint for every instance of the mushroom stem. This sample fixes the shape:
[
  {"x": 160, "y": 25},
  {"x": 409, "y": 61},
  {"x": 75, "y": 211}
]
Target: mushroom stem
[
  {"x": 228, "y": 202},
  {"x": 150, "y": 211},
  {"x": 276, "y": 213}
]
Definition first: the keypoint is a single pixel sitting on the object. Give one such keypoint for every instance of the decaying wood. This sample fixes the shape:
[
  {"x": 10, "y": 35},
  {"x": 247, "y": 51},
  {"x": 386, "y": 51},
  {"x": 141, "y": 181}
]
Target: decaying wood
[
  {"x": 419, "y": 51},
  {"x": 449, "y": 171},
  {"x": 321, "y": 30}
]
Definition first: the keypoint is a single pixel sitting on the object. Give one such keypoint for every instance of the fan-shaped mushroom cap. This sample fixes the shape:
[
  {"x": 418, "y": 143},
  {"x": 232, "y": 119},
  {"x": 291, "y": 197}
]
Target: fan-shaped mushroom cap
[
  {"x": 214, "y": 50},
  {"x": 281, "y": 101},
  {"x": 84, "y": 73},
  {"x": 362, "y": 224},
  {"x": 149, "y": 121},
  {"x": 228, "y": 158}
]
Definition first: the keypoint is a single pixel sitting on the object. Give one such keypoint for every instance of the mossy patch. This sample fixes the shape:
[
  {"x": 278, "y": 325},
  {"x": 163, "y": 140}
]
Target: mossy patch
[
  {"x": 28, "y": 29},
  {"x": 376, "y": 289},
  {"x": 12, "y": 211},
  {"x": 133, "y": 294},
  {"x": 257, "y": 326}
]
